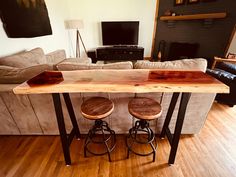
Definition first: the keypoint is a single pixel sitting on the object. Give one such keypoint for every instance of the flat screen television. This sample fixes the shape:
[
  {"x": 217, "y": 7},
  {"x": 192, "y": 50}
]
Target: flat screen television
[{"x": 120, "y": 32}]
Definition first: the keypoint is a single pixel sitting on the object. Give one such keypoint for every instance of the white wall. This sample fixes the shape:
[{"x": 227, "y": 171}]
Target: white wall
[
  {"x": 92, "y": 12},
  {"x": 58, "y": 40},
  {"x": 232, "y": 47}
]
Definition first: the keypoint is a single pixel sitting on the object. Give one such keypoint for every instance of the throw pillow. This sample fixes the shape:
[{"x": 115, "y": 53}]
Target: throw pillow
[{"x": 25, "y": 59}]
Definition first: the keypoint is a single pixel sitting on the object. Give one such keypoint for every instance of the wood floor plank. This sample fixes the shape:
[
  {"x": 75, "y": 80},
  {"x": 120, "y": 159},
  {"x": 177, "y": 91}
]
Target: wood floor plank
[
  {"x": 15, "y": 154},
  {"x": 212, "y": 153}
]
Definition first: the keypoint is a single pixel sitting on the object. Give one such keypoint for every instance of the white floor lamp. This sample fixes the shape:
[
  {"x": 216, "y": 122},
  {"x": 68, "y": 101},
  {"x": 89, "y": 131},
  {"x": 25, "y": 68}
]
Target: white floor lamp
[{"x": 76, "y": 24}]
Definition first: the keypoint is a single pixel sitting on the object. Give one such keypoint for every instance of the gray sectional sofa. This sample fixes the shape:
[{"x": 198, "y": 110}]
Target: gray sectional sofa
[{"x": 34, "y": 114}]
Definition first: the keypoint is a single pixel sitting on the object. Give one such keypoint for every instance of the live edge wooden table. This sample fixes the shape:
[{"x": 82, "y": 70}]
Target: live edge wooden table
[{"x": 117, "y": 81}]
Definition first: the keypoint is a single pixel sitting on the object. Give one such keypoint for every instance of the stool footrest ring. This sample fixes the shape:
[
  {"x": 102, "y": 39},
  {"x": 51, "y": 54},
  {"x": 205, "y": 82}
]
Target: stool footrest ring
[
  {"x": 143, "y": 127},
  {"x": 102, "y": 127}
]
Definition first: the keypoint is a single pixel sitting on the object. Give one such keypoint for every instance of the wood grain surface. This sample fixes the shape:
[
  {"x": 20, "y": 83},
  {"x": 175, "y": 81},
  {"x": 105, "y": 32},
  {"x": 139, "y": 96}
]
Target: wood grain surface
[
  {"x": 144, "y": 108},
  {"x": 97, "y": 108},
  {"x": 117, "y": 81},
  {"x": 194, "y": 16}
]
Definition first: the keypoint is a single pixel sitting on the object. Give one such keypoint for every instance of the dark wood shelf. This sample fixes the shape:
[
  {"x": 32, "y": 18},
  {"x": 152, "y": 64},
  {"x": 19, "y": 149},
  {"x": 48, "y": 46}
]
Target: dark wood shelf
[{"x": 194, "y": 17}]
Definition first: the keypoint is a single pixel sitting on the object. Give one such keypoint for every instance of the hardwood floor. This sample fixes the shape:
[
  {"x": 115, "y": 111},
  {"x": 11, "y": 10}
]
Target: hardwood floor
[{"x": 211, "y": 153}]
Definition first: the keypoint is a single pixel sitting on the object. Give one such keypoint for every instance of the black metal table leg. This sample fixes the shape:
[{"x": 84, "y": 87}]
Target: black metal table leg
[
  {"x": 61, "y": 125},
  {"x": 72, "y": 114},
  {"x": 65, "y": 139},
  {"x": 169, "y": 113},
  {"x": 178, "y": 126},
  {"x": 174, "y": 139}
]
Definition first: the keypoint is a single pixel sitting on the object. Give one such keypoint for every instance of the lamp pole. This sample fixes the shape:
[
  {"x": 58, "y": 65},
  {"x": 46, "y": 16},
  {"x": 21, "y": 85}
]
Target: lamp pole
[
  {"x": 78, "y": 34},
  {"x": 77, "y": 44}
]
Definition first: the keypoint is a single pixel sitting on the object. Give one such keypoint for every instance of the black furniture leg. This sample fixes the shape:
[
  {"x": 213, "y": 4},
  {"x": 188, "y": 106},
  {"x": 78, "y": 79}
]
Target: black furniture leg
[
  {"x": 141, "y": 126},
  {"x": 171, "y": 108},
  {"x": 72, "y": 114},
  {"x": 61, "y": 125},
  {"x": 178, "y": 127},
  {"x": 174, "y": 139}
]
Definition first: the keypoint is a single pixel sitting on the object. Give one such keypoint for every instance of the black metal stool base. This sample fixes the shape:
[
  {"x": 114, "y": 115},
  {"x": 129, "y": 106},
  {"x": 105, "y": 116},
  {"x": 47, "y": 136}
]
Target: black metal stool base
[
  {"x": 102, "y": 127},
  {"x": 141, "y": 126}
]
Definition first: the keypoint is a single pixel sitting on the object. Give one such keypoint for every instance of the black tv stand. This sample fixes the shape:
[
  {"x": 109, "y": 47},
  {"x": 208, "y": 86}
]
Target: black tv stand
[
  {"x": 119, "y": 46},
  {"x": 125, "y": 46},
  {"x": 123, "y": 53}
]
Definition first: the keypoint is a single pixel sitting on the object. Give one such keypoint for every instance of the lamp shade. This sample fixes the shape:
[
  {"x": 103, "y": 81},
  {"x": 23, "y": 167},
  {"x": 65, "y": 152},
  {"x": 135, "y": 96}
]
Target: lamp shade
[{"x": 74, "y": 24}]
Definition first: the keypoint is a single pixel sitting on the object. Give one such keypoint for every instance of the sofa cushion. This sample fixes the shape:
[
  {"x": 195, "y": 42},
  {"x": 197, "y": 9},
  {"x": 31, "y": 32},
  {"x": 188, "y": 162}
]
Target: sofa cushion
[
  {"x": 55, "y": 57},
  {"x": 77, "y": 60},
  {"x": 13, "y": 75},
  {"x": 65, "y": 66},
  {"x": 25, "y": 59},
  {"x": 198, "y": 64}
]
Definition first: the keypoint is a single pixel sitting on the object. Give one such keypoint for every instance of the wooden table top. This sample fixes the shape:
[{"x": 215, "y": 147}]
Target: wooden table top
[{"x": 117, "y": 81}]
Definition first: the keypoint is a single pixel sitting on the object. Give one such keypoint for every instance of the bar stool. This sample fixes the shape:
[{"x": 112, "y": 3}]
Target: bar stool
[
  {"x": 144, "y": 109},
  {"x": 98, "y": 108}
]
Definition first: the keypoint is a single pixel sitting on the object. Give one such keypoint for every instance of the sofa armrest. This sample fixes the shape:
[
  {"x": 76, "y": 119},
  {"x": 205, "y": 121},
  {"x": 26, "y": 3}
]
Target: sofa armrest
[
  {"x": 229, "y": 67},
  {"x": 222, "y": 75},
  {"x": 55, "y": 57},
  {"x": 220, "y": 60}
]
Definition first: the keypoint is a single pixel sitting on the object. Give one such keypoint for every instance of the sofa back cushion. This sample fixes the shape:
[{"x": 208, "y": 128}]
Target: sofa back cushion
[
  {"x": 198, "y": 64},
  {"x": 67, "y": 66},
  {"x": 25, "y": 59},
  {"x": 55, "y": 57},
  {"x": 12, "y": 75},
  {"x": 86, "y": 60}
]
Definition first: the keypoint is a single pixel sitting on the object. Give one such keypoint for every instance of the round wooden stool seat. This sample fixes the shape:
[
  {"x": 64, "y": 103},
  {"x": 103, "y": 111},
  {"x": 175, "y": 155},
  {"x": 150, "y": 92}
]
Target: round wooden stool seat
[
  {"x": 97, "y": 108},
  {"x": 144, "y": 108}
]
